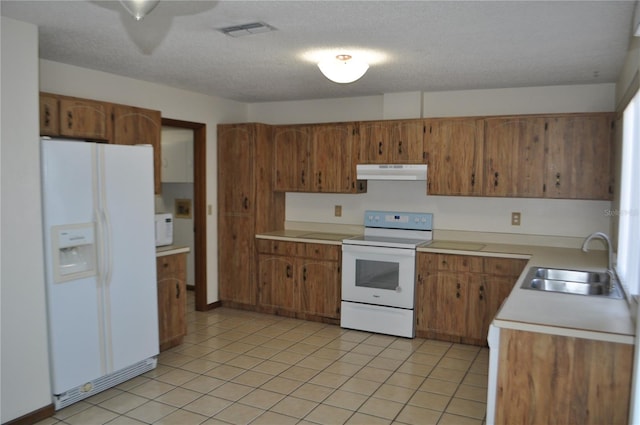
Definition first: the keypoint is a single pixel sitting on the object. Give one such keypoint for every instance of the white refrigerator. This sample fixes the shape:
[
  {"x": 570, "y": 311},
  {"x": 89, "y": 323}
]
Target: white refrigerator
[{"x": 98, "y": 214}]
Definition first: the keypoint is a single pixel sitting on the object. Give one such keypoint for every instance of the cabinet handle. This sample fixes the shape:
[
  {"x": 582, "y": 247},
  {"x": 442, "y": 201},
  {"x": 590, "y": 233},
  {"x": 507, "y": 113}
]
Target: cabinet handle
[
  {"x": 302, "y": 177},
  {"x": 69, "y": 119},
  {"x": 457, "y": 294},
  {"x": 47, "y": 116},
  {"x": 304, "y": 274},
  {"x": 245, "y": 203},
  {"x": 473, "y": 179},
  {"x": 558, "y": 180},
  {"x": 288, "y": 271},
  {"x": 495, "y": 180},
  {"x": 458, "y": 285},
  {"x": 177, "y": 290},
  {"x": 379, "y": 148},
  {"x": 319, "y": 177},
  {"x": 400, "y": 147}
]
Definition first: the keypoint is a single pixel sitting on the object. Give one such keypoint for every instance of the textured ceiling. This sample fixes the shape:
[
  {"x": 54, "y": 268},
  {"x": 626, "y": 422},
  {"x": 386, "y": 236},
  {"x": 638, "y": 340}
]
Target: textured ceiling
[{"x": 420, "y": 45}]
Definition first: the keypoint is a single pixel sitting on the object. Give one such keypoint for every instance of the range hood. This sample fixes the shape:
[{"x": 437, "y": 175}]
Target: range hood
[{"x": 411, "y": 172}]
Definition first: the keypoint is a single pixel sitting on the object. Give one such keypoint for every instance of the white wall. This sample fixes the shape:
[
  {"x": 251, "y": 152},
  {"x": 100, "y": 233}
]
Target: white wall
[
  {"x": 544, "y": 217},
  {"x": 25, "y": 385},
  {"x": 173, "y": 103}
]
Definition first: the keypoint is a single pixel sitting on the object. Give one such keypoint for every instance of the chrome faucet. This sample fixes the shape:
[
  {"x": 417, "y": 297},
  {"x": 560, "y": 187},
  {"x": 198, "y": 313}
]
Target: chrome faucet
[{"x": 605, "y": 238}]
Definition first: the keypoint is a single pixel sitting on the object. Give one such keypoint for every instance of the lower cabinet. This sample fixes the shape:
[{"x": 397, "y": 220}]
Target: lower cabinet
[
  {"x": 543, "y": 378},
  {"x": 299, "y": 279},
  {"x": 457, "y": 296},
  {"x": 172, "y": 299}
]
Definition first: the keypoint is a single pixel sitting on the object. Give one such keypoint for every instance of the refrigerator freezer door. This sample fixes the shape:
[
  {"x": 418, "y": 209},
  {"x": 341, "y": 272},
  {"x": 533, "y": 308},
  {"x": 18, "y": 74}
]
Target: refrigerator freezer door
[
  {"x": 127, "y": 201},
  {"x": 76, "y": 352}
]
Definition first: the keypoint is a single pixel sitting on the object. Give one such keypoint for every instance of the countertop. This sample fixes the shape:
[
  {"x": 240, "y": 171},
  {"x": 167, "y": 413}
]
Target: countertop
[
  {"x": 161, "y": 251},
  {"x": 306, "y": 236},
  {"x": 537, "y": 311}
]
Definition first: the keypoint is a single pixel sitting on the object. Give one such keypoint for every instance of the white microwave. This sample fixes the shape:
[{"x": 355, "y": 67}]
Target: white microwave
[{"x": 164, "y": 229}]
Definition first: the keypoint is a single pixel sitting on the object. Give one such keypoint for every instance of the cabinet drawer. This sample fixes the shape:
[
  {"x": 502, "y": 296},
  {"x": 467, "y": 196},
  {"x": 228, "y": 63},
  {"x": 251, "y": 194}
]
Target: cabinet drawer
[
  {"x": 321, "y": 251},
  {"x": 269, "y": 246},
  {"x": 456, "y": 263},
  {"x": 504, "y": 266},
  {"x": 170, "y": 265}
]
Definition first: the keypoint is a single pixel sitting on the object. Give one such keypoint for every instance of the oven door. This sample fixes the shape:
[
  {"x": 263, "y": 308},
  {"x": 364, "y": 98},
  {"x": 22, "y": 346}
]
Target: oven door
[{"x": 378, "y": 275}]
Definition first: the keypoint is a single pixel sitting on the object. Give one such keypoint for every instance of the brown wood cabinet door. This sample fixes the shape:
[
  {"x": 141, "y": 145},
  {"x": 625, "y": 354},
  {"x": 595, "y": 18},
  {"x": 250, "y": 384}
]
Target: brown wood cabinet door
[
  {"x": 85, "y": 119},
  {"x": 49, "y": 115},
  {"x": 578, "y": 162},
  {"x": 406, "y": 143},
  {"x": 333, "y": 149},
  {"x": 319, "y": 288},
  {"x": 391, "y": 142},
  {"x": 375, "y": 138},
  {"x": 236, "y": 280},
  {"x": 277, "y": 282},
  {"x": 133, "y": 126},
  {"x": 454, "y": 151},
  {"x": 235, "y": 169},
  {"x": 426, "y": 276},
  {"x": 447, "y": 293},
  {"x": 171, "y": 275},
  {"x": 486, "y": 295},
  {"x": 292, "y": 171},
  {"x": 514, "y": 157}
]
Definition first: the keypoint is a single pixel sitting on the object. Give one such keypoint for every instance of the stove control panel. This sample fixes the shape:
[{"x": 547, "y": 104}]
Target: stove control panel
[{"x": 398, "y": 220}]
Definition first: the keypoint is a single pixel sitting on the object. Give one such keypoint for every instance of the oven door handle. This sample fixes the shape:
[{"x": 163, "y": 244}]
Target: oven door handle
[{"x": 379, "y": 250}]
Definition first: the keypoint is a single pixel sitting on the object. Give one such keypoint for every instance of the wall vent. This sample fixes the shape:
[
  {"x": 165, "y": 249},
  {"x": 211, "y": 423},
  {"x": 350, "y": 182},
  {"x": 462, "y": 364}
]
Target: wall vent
[{"x": 246, "y": 29}]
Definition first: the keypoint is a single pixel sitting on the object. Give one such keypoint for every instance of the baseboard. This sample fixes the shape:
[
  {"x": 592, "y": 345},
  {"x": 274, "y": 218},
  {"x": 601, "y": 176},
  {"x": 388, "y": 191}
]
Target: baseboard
[
  {"x": 33, "y": 417},
  {"x": 214, "y": 305}
]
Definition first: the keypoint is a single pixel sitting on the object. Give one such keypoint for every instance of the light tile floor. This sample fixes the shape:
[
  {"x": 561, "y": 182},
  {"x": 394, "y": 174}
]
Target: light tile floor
[{"x": 238, "y": 367}]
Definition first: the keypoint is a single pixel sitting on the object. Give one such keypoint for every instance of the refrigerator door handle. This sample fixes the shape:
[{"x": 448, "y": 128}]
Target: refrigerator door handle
[{"x": 108, "y": 257}]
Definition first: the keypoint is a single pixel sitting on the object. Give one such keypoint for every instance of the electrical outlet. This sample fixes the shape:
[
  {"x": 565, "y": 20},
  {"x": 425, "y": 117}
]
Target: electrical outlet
[
  {"x": 338, "y": 211},
  {"x": 515, "y": 219}
]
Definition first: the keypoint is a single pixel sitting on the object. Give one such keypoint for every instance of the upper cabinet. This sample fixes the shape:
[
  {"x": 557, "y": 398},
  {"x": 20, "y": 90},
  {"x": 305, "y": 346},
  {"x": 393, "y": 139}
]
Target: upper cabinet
[
  {"x": 514, "y": 157},
  {"x": 579, "y": 157},
  {"x": 177, "y": 156},
  {"x": 454, "y": 150},
  {"x": 316, "y": 158},
  {"x": 66, "y": 116},
  {"x": 333, "y": 149},
  {"x": 292, "y": 145},
  {"x": 49, "y": 115},
  {"x": 564, "y": 156},
  {"x": 391, "y": 142},
  {"x": 79, "y": 118}
]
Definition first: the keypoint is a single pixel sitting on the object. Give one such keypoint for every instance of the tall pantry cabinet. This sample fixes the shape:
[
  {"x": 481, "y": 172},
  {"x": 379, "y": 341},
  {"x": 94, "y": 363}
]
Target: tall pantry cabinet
[{"x": 247, "y": 205}]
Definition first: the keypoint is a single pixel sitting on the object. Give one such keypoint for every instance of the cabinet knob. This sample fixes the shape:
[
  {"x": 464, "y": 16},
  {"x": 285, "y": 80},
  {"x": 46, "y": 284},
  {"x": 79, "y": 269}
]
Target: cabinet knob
[
  {"x": 400, "y": 147},
  {"x": 379, "y": 148},
  {"x": 69, "y": 119},
  {"x": 245, "y": 203},
  {"x": 177, "y": 290}
]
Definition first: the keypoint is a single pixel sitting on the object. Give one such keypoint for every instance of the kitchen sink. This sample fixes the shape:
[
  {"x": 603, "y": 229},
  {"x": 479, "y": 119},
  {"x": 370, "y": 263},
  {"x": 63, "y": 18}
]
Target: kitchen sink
[
  {"x": 571, "y": 275},
  {"x": 577, "y": 282}
]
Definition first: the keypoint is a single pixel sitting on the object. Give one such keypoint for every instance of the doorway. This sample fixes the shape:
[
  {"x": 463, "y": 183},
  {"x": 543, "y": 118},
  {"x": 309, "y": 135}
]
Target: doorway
[{"x": 199, "y": 207}]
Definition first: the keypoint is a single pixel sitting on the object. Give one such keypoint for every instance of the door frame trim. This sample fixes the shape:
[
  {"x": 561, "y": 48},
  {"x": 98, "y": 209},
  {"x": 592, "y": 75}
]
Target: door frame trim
[{"x": 199, "y": 205}]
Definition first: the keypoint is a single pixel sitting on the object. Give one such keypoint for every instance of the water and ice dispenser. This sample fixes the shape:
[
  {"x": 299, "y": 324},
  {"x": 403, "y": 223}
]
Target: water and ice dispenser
[{"x": 74, "y": 248}]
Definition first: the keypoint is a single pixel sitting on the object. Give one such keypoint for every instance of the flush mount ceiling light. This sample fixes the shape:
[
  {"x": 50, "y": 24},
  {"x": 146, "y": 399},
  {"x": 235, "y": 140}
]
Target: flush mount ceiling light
[
  {"x": 343, "y": 69},
  {"x": 139, "y": 8}
]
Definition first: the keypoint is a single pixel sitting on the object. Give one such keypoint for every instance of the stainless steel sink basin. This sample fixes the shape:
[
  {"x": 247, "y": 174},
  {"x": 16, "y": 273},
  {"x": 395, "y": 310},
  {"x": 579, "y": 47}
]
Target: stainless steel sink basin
[
  {"x": 576, "y": 282},
  {"x": 571, "y": 275}
]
